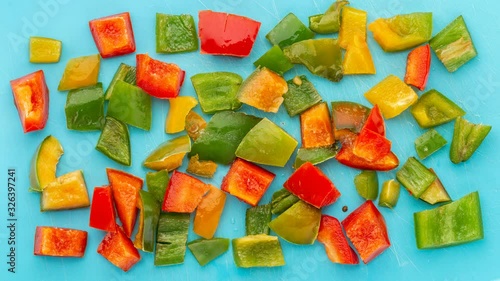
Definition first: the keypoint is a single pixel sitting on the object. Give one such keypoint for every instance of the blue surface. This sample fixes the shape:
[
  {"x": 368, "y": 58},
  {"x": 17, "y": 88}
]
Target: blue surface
[{"x": 475, "y": 87}]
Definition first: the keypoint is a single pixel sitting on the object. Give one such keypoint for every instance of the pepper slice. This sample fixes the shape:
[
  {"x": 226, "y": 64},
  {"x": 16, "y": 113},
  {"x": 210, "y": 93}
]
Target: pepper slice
[
  {"x": 348, "y": 116},
  {"x": 288, "y": 31},
  {"x": 184, "y": 193},
  {"x": 453, "y": 45},
  {"x": 390, "y": 194},
  {"x": 102, "y": 211},
  {"x": 113, "y": 35},
  {"x": 114, "y": 141},
  {"x": 455, "y": 223},
  {"x": 418, "y": 66},
  {"x": 428, "y": 143},
  {"x": 217, "y": 91},
  {"x": 257, "y": 251},
  {"x": 357, "y": 58},
  {"x": 168, "y": 155},
  {"x": 322, "y": 57},
  {"x": 415, "y": 177},
  {"x": 316, "y": 127},
  {"x": 60, "y": 242},
  {"x": 371, "y": 146},
  {"x": 68, "y": 191},
  {"x": 282, "y": 200},
  {"x": 85, "y": 108},
  {"x": 435, "y": 193},
  {"x": 175, "y": 34},
  {"x": 125, "y": 73},
  {"x": 157, "y": 183},
  {"x": 332, "y": 237},
  {"x": 352, "y": 25},
  {"x": 433, "y": 109},
  {"x": 131, "y": 105},
  {"x": 467, "y": 137},
  {"x": 275, "y": 60},
  {"x": 209, "y": 212},
  {"x": 206, "y": 250},
  {"x": 195, "y": 125},
  {"x": 145, "y": 238},
  {"x": 314, "y": 155},
  {"x": 159, "y": 79},
  {"x": 31, "y": 97},
  {"x": 329, "y": 22},
  {"x": 257, "y": 219},
  {"x": 80, "y": 72},
  {"x": 117, "y": 248},
  {"x": 367, "y": 184},
  {"x": 201, "y": 168},
  {"x": 179, "y": 109},
  {"x": 301, "y": 95},
  {"x": 44, "y": 163},
  {"x": 226, "y": 34},
  {"x": 45, "y": 50},
  {"x": 171, "y": 238},
  {"x": 375, "y": 121}
]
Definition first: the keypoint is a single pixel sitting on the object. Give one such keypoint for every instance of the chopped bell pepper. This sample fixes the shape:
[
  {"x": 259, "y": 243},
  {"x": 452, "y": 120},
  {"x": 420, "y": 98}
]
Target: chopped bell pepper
[
  {"x": 119, "y": 250},
  {"x": 310, "y": 184},
  {"x": 222, "y": 136},
  {"x": 113, "y": 35},
  {"x": 85, "y": 108},
  {"x": 467, "y": 137},
  {"x": 247, "y": 182},
  {"x": 348, "y": 116},
  {"x": 125, "y": 188},
  {"x": 415, "y": 177},
  {"x": 217, "y": 91},
  {"x": 125, "y": 73},
  {"x": 315, "y": 155},
  {"x": 352, "y": 26},
  {"x": 68, "y": 191},
  {"x": 131, "y": 105},
  {"x": 428, "y": 143},
  {"x": 275, "y": 60},
  {"x": 268, "y": 144},
  {"x": 179, "y": 109},
  {"x": 322, "y": 57},
  {"x": 31, "y": 97},
  {"x": 288, "y": 31},
  {"x": 418, "y": 66},
  {"x": 390, "y": 194},
  {"x": 316, "y": 127},
  {"x": 367, "y": 184},
  {"x": 44, "y": 163},
  {"x": 264, "y": 90},
  {"x": 80, "y": 72},
  {"x": 282, "y": 200},
  {"x": 159, "y": 79},
  {"x": 102, "y": 211},
  {"x": 168, "y": 155},
  {"x": 206, "y": 250},
  {"x": 375, "y": 121},
  {"x": 209, "y": 212},
  {"x": 114, "y": 141},
  {"x": 433, "y": 109},
  {"x": 257, "y": 219},
  {"x": 301, "y": 95},
  {"x": 257, "y": 251},
  {"x": 453, "y": 45},
  {"x": 195, "y": 124},
  {"x": 332, "y": 237},
  {"x": 201, "y": 168},
  {"x": 455, "y": 223},
  {"x": 366, "y": 229},
  {"x": 371, "y": 146},
  {"x": 157, "y": 183},
  {"x": 435, "y": 193},
  {"x": 184, "y": 193},
  {"x": 226, "y": 34},
  {"x": 45, "y": 50},
  {"x": 299, "y": 224},
  {"x": 329, "y": 22},
  {"x": 402, "y": 32},
  {"x": 60, "y": 242},
  {"x": 175, "y": 34},
  {"x": 357, "y": 58},
  {"x": 171, "y": 238},
  {"x": 392, "y": 95},
  {"x": 145, "y": 238}
]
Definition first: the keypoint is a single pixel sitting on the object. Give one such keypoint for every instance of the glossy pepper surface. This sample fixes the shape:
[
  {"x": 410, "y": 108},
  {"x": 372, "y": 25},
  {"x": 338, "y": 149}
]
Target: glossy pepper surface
[
  {"x": 85, "y": 108},
  {"x": 159, "y": 79},
  {"x": 80, "y": 72},
  {"x": 175, "y": 33},
  {"x": 113, "y": 35}
]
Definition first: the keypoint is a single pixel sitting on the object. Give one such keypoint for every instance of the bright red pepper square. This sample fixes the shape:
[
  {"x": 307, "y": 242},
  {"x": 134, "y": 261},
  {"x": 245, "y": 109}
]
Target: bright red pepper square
[
  {"x": 113, "y": 35},
  {"x": 159, "y": 79},
  {"x": 118, "y": 249}
]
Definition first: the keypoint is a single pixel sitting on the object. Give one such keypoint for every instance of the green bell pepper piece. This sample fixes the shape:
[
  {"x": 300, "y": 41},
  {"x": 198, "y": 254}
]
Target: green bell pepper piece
[
  {"x": 282, "y": 200},
  {"x": 161, "y": 157},
  {"x": 217, "y": 91},
  {"x": 435, "y": 193},
  {"x": 428, "y": 143},
  {"x": 267, "y": 144},
  {"x": 322, "y": 57},
  {"x": 150, "y": 213},
  {"x": 415, "y": 177},
  {"x": 452, "y": 224},
  {"x": 299, "y": 224},
  {"x": 275, "y": 60},
  {"x": 171, "y": 238},
  {"x": 125, "y": 73},
  {"x": 85, "y": 108},
  {"x": 175, "y": 34},
  {"x": 206, "y": 250},
  {"x": 301, "y": 95},
  {"x": 222, "y": 135},
  {"x": 433, "y": 109},
  {"x": 467, "y": 137},
  {"x": 258, "y": 251},
  {"x": 114, "y": 141},
  {"x": 257, "y": 219},
  {"x": 288, "y": 31},
  {"x": 131, "y": 105},
  {"x": 315, "y": 155},
  {"x": 329, "y": 22},
  {"x": 367, "y": 184},
  {"x": 157, "y": 183},
  {"x": 389, "y": 195},
  {"x": 453, "y": 45}
]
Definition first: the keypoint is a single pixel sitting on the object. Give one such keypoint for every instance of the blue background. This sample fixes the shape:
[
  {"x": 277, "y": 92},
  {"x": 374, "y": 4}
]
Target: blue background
[{"x": 474, "y": 87}]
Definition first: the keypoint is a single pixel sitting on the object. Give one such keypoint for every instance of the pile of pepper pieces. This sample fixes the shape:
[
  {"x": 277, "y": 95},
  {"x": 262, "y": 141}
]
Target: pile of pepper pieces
[{"x": 352, "y": 133}]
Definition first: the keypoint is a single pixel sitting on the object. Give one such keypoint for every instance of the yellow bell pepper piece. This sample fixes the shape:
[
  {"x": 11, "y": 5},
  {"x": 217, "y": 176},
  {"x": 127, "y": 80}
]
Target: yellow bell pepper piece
[
  {"x": 353, "y": 24},
  {"x": 357, "y": 59},
  {"x": 66, "y": 192},
  {"x": 392, "y": 96},
  {"x": 80, "y": 72},
  {"x": 45, "y": 50},
  {"x": 179, "y": 109},
  {"x": 209, "y": 212}
]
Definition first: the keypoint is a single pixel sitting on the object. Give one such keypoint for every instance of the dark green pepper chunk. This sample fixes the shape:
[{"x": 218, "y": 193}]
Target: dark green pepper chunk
[
  {"x": 467, "y": 137},
  {"x": 157, "y": 184},
  {"x": 257, "y": 219},
  {"x": 171, "y": 238},
  {"x": 415, "y": 177},
  {"x": 329, "y": 22},
  {"x": 433, "y": 109},
  {"x": 428, "y": 143},
  {"x": 288, "y": 31},
  {"x": 206, "y": 250},
  {"x": 217, "y": 91},
  {"x": 282, "y": 200},
  {"x": 301, "y": 95},
  {"x": 275, "y": 60},
  {"x": 125, "y": 73},
  {"x": 175, "y": 33},
  {"x": 114, "y": 141},
  {"x": 315, "y": 155},
  {"x": 131, "y": 105},
  {"x": 85, "y": 108},
  {"x": 150, "y": 213}
]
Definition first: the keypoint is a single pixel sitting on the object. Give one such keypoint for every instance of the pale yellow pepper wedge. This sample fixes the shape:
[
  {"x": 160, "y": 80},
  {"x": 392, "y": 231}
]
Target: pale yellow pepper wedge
[
  {"x": 45, "y": 50},
  {"x": 80, "y": 72},
  {"x": 358, "y": 59},
  {"x": 179, "y": 109},
  {"x": 352, "y": 25}
]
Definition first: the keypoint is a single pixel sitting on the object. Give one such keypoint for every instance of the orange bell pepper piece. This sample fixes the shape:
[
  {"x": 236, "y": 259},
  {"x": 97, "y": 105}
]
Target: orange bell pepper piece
[
  {"x": 209, "y": 212},
  {"x": 316, "y": 127}
]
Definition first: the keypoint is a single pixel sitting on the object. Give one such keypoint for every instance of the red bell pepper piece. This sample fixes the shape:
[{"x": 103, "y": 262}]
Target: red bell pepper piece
[
  {"x": 366, "y": 229},
  {"x": 226, "y": 34},
  {"x": 312, "y": 186},
  {"x": 125, "y": 188},
  {"x": 118, "y": 249},
  {"x": 102, "y": 212},
  {"x": 184, "y": 193},
  {"x": 159, "y": 79},
  {"x": 31, "y": 97},
  {"x": 336, "y": 245},
  {"x": 113, "y": 35},
  {"x": 60, "y": 242},
  {"x": 247, "y": 182},
  {"x": 418, "y": 67},
  {"x": 371, "y": 146},
  {"x": 375, "y": 121}
]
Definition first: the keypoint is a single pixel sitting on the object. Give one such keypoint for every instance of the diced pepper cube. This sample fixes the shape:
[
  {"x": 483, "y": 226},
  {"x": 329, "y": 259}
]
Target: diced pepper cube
[
  {"x": 45, "y": 50},
  {"x": 85, "y": 108},
  {"x": 114, "y": 141},
  {"x": 332, "y": 237},
  {"x": 66, "y": 192},
  {"x": 80, "y": 72},
  {"x": 117, "y": 248},
  {"x": 168, "y": 155},
  {"x": 159, "y": 79},
  {"x": 301, "y": 95},
  {"x": 113, "y": 35},
  {"x": 102, "y": 211},
  {"x": 60, "y": 242},
  {"x": 131, "y": 105},
  {"x": 179, "y": 109},
  {"x": 217, "y": 91},
  {"x": 175, "y": 34},
  {"x": 275, "y": 60},
  {"x": 316, "y": 127},
  {"x": 209, "y": 212},
  {"x": 258, "y": 251},
  {"x": 288, "y": 31},
  {"x": 184, "y": 193}
]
